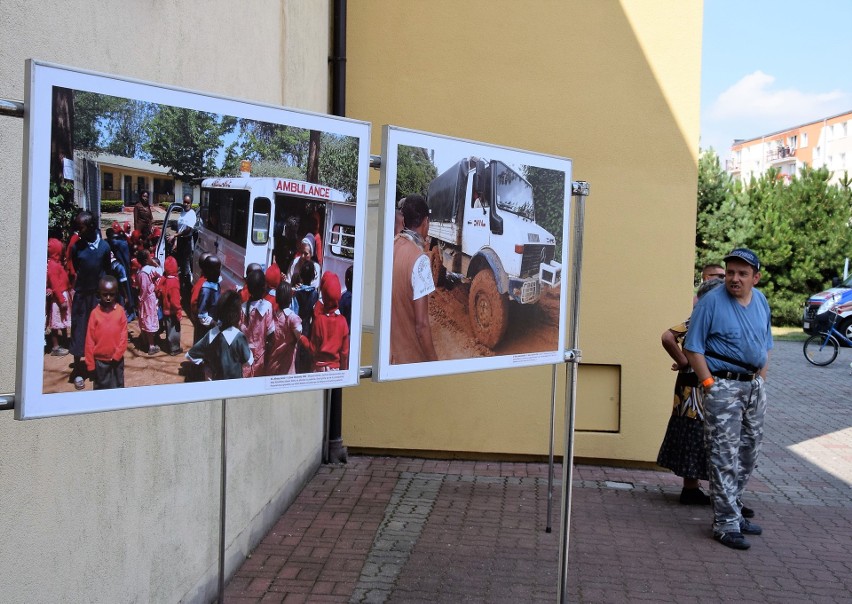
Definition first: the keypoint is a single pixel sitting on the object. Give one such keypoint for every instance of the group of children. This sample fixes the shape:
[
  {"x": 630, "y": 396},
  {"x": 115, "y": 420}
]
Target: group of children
[{"x": 273, "y": 325}]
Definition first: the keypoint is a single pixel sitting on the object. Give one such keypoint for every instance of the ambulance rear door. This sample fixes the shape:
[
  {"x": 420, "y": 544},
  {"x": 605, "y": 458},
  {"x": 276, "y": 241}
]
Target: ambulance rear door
[{"x": 339, "y": 239}]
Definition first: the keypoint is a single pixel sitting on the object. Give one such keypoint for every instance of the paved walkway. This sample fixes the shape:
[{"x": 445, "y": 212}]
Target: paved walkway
[{"x": 413, "y": 530}]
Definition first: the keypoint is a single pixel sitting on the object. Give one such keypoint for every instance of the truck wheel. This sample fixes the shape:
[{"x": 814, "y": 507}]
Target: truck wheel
[
  {"x": 488, "y": 310},
  {"x": 436, "y": 262}
]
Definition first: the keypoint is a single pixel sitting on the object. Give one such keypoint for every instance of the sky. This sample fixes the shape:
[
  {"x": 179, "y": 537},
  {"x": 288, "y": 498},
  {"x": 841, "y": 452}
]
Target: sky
[{"x": 768, "y": 65}]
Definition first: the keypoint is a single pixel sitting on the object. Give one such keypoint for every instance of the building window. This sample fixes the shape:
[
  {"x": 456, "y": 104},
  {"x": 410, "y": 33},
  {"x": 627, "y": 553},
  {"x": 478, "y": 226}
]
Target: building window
[
  {"x": 107, "y": 181},
  {"x": 828, "y": 161},
  {"x": 842, "y": 162},
  {"x": 804, "y": 139},
  {"x": 793, "y": 141},
  {"x": 842, "y": 128}
]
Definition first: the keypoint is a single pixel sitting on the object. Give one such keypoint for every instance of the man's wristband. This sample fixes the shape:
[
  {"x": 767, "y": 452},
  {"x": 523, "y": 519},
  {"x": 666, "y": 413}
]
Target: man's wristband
[{"x": 708, "y": 382}]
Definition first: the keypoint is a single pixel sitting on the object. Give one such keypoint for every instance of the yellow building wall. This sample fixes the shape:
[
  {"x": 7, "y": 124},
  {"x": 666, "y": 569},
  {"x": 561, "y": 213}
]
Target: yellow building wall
[{"x": 612, "y": 85}]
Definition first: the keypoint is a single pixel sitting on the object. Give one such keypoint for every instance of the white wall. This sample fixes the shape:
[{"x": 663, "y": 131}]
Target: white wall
[{"x": 124, "y": 506}]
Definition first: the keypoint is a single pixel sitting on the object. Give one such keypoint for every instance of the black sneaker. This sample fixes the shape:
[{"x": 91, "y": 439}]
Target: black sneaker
[
  {"x": 733, "y": 539},
  {"x": 694, "y": 497},
  {"x": 749, "y": 528},
  {"x": 746, "y": 512}
]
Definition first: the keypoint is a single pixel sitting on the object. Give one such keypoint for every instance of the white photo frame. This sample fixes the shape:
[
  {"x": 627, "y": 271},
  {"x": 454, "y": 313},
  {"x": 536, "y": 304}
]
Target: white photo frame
[
  {"x": 36, "y": 396},
  {"x": 444, "y": 170}
]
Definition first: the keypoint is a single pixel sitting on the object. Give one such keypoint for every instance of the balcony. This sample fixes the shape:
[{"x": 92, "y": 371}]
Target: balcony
[
  {"x": 781, "y": 155},
  {"x": 732, "y": 165}
]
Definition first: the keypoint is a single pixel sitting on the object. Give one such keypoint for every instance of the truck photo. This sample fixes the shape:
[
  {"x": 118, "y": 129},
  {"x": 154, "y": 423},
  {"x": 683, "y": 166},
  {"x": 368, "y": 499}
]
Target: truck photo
[{"x": 482, "y": 230}]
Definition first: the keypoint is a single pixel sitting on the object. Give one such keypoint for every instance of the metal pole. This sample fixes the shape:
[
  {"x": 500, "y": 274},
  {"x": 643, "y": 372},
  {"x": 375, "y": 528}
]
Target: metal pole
[
  {"x": 579, "y": 190},
  {"x": 549, "y": 526},
  {"x": 222, "y": 482},
  {"x": 7, "y": 401},
  {"x": 326, "y": 401},
  {"x": 11, "y": 108}
]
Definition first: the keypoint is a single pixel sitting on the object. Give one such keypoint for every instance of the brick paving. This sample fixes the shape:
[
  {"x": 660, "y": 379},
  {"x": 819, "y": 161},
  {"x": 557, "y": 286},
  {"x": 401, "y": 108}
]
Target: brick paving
[{"x": 415, "y": 530}]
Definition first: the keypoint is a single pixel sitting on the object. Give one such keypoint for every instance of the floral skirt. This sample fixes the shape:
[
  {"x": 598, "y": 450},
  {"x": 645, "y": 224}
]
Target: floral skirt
[{"x": 683, "y": 450}]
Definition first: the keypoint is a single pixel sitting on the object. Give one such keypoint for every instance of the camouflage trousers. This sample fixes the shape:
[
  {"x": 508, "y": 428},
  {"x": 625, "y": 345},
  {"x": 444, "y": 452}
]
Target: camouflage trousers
[{"x": 733, "y": 431}]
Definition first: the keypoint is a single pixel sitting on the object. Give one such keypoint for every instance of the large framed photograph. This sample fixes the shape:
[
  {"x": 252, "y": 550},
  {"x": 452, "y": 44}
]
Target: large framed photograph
[
  {"x": 472, "y": 248},
  {"x": 179, "y": 246}
]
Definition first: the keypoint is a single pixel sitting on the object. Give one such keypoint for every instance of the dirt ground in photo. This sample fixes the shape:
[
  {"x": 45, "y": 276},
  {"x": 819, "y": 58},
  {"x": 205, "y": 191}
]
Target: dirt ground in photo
[{"x": 532, "y": 327}]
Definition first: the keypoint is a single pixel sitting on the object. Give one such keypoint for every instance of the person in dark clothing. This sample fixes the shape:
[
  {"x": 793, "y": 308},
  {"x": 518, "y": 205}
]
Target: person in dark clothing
[{"x": 90, "y": 257}]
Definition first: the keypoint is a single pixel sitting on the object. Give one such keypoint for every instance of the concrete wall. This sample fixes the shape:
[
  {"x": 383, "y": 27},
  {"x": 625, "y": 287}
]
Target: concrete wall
[
  {"x": 124, "y": 506},
  {"x": 615, "y": 87}
]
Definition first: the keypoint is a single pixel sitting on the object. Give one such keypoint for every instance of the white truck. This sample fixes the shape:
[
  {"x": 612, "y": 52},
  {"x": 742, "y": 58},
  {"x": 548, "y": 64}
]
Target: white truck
[
  {"x": 482, "y": 229},
  {"x": 260, "y": 220}
]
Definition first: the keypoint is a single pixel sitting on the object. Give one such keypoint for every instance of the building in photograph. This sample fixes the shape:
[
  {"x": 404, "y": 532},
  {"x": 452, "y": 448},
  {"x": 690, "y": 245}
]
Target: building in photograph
[
  {"x": 826, "y": 142},
  {"x": 125, "y": 178}
]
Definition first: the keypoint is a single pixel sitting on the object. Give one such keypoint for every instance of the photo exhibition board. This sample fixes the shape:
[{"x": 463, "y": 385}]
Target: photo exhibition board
[
  {"x": 473, "y": 255},
  {"x": 269, "y": 186}
]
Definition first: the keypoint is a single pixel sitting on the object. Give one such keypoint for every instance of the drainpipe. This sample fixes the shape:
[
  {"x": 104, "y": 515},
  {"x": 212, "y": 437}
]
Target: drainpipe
[
  {"x": 338, "y": 59},
  {"x": 336, "y": 450}
]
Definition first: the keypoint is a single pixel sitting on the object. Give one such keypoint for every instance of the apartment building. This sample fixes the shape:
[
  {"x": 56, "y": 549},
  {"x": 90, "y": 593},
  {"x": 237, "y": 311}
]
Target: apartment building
[{"x": 824, "y": 142}]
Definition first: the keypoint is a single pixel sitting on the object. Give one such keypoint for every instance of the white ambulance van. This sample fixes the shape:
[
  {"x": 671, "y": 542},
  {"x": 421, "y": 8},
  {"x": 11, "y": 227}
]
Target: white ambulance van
[{"x": 261, "y": 220}]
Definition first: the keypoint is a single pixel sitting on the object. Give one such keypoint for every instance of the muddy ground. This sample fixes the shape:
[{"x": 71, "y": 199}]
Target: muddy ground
[
  {"x": 532, "y": 327},
  {"x": 140, "y": 368}
]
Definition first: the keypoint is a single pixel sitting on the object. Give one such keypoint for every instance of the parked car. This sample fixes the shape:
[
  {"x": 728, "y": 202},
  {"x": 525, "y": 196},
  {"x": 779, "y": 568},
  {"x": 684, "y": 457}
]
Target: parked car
[{"x": 827, "y": 300}]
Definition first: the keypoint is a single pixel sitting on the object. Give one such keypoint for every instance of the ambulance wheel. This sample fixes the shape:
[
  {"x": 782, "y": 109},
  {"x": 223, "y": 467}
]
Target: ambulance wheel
[{"x": 488, "y": 310}]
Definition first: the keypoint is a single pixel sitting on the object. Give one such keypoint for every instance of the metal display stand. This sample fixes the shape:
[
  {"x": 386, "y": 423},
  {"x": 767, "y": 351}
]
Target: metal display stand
[
  {"x": 579, "y": 190},
  {"x": 222, "y": 499}
]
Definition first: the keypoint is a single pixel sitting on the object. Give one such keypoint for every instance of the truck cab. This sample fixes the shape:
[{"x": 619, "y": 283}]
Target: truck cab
[{"x": 482, "y": 228}]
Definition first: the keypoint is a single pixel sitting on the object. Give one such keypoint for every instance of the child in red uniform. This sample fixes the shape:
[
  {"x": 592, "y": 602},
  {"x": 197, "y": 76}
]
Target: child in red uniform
[
  {"x": 329, "y": 342},
  {"x": 273, "y": 280},
  {"x": 257, "y": 323},
  {"x": 288, "y": 330},
  {"x": 149, "y": 321},
  {"x": 168, "y": 293},
  {"x": 106, "y": 338},
  {"x": 59, "y": 298}
]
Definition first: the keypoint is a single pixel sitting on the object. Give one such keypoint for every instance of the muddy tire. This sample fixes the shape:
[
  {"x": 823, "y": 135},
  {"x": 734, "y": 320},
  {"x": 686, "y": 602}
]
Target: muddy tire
[
  {"x": 436, "y": 262},
  {"x": 488, "y": 310}
]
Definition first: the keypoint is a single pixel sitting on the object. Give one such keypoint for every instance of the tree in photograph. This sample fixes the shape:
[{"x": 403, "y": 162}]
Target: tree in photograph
[
  {"x": 549, "y": 197},
  {"x": 125, "y": 127},
  {"x": 338, "y": 163},
  {"x": 263, "y": 140},
  {"x": 276, "y": 168},
  {"x": 186, "y": 141},
  {"x": 90, "y": 111},
  {"x": 61, "y": 210},
  {"x": 414, "y": 171},
  {"x": 108, "y": 124},
  {"x": 231, "y": 161},
  {"x": 312, "y": 169}
]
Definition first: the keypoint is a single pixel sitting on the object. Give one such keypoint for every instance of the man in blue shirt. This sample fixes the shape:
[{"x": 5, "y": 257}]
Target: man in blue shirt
[{"x": 728, "y": 346}]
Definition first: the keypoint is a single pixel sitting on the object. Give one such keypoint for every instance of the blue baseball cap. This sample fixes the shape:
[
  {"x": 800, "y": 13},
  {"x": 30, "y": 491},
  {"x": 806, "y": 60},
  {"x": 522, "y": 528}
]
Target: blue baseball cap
[{"x": 744, "y": 254}]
